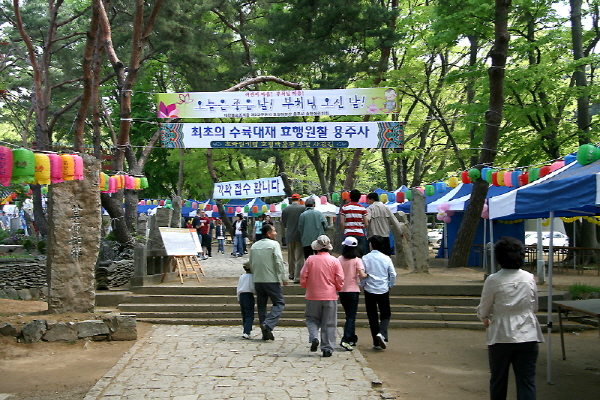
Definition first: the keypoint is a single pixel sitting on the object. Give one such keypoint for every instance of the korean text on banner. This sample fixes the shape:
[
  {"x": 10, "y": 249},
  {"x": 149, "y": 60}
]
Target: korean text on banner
[
  {"x": 263, "y": 187},
  {"x": 281, "y": 103}
]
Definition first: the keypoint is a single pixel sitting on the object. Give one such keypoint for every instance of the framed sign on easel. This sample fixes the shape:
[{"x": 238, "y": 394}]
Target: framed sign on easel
[{"x": 182, "y": 247}]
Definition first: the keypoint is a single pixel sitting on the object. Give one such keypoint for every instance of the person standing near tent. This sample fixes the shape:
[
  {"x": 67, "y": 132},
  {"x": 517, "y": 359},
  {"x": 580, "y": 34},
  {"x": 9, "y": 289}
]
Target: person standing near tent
[
  {"x": 268, "y": 269},
  {"x": 203, "y": 227},
  {"x": 381, "y": 220},
  {"x": 220, "y": 234},
  {"x": 240, "y": 230},
  {"x": 312, "y": 224},
  {"x": 289, "y": 218},
  {"x": 257, "y": 227},
  {"x": 354, "y": 219},
  {"x": 507, "y": 309}
]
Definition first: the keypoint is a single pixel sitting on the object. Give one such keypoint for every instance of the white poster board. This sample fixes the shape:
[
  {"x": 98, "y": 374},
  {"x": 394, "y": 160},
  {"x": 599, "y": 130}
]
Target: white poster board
[{"x": 180, "y": 241}]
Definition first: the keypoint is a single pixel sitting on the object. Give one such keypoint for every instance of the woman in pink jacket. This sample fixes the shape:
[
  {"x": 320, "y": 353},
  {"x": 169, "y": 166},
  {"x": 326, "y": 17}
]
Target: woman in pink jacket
[
  {"x": 323, "y": 277},
  {"x": 349, "y": 295}
]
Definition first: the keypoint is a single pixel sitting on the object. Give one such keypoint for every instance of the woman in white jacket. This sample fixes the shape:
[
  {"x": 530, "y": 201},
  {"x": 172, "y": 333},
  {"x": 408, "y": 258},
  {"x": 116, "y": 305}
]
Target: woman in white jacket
[{"x": 508, "y": 305}]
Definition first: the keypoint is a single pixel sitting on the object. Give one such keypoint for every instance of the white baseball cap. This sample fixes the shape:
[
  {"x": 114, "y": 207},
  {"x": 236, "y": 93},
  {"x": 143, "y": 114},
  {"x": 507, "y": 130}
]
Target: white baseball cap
[{"x": 350, "y": 241}]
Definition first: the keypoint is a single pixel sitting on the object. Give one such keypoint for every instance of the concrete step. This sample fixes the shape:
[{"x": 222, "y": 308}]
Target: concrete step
[
  {"x": 295, "y": 289},
  {"x": 289, "y": 314},
  {"x": 184, "y": 307},
  {"x": 457, "y": 301},
  {"x": 394, "y": 323}
]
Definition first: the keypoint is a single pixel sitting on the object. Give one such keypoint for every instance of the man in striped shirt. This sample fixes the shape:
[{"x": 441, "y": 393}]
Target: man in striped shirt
[{"x": 354, "y": 219}]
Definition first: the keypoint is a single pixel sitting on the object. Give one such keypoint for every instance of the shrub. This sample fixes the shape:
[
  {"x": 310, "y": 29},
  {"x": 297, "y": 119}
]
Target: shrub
[
  {"x": 581, "y": 291},
  {"x": 41, "y": 247}
]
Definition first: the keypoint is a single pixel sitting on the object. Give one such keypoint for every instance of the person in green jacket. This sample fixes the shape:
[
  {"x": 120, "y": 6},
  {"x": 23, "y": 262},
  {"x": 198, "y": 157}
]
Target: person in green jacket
[
  {"x": 312, "y": 224},
  {"x": 268, "y": 268}
]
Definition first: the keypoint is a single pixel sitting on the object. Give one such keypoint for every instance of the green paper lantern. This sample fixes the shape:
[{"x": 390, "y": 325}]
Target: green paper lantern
[
  {"x": 474, "y": 174},
  {"x": 587, "y": 153},
  {"x": 408, "y": 194},
  {"x": 335, "y": 197},
  {"x": 429, "y": 190},
  {"x": 23, "y": 166},
  {"x": 534, "y": 174},
  {"x": 490, "y": 175}
]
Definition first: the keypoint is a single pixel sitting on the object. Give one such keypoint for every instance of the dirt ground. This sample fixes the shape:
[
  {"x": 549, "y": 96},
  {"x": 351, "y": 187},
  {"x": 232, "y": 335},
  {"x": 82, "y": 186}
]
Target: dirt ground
[{"x": 422, "y": 364}]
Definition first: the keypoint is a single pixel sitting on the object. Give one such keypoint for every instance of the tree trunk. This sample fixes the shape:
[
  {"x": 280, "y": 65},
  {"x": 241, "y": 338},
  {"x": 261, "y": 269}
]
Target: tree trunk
[
  {"x": 351, "y": 172},
  {"x": 286, "y": 182},
  {"x": 583, "y": 101},
  {"x": 493, "y": 117}
]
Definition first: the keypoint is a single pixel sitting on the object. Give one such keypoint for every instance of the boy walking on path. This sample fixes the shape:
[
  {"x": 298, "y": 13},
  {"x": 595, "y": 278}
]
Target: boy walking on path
[
  {"x": 381, "y": 276},
  {"x": 245, "y": 296},
  {"x": 323, "y": 277},
  {"x": 268, "y": 269}
]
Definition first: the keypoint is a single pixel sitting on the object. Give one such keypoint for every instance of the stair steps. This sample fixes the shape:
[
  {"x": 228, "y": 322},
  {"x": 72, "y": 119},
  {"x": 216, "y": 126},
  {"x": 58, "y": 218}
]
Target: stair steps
[{"x": 415, "y": 306}]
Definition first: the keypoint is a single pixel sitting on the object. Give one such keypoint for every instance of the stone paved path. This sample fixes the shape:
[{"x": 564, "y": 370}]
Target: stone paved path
[{"x": 183, "y": 362}]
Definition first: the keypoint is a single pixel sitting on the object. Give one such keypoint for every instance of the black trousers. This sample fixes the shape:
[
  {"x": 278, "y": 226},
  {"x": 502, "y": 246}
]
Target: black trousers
[
  {"x": 523, "y": 357},
  {"x": 378, "y": 313}
]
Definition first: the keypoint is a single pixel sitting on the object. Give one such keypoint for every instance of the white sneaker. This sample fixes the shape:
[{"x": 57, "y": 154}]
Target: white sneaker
[
  {"x": 246, "y": 336},
  {"x": 381, "y": 341},
  {"x": 347, "y": 346}
]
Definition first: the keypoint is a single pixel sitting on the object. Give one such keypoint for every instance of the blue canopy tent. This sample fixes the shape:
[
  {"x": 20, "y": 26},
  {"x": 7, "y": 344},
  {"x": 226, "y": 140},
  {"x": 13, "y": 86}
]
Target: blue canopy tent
[
  {"x": 573, "y": 190},
  {"x": 458, "y": 200}
]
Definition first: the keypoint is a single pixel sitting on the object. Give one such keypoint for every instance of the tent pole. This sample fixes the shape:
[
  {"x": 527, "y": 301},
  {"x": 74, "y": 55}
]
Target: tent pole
[
  {"x": 445, "y": 245},
  {"x": 541, "y": 264},
  {"x": 485, "y": 266},
  {"x": 549, "y": 325},
  {"x": 492, "y": 260}
]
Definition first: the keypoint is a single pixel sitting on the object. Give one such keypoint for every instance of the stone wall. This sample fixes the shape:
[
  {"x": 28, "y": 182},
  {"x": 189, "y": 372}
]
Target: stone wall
[
  {"x": 22, "y": 273},
  {"x": 110, "y": 327}
]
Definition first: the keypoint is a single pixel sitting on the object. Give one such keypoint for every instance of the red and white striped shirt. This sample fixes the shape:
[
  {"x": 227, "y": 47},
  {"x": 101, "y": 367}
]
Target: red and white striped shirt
[{"x": 354, "y": 213}]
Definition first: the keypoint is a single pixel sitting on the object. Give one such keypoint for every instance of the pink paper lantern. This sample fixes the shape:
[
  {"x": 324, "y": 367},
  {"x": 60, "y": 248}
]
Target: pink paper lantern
[
  {"x": 142, "y": 202},
  {"x": 6, "y": 165},
  {"x": 215, "y": 208},
  {"x": 508, "y": 179},
  {"x": 323, "y": 200},
  {"x": 56, "y": 168},
  {"x": 194, "y": 205},
  {"x": 129, "y": 182},
  {"x": 273, "y": 209},
  {"x": 112, "y": 185},
  {"x": 363, "y": 198},
  {"x": 238, "y": 210},
  {"x": 78, "y": 176},
  {"x": 557, "y": 165}
]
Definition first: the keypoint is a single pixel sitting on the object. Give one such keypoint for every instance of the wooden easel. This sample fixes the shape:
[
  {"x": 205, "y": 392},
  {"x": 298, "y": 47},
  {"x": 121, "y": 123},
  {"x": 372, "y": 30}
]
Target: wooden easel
[{"x": 185, "y": 265}]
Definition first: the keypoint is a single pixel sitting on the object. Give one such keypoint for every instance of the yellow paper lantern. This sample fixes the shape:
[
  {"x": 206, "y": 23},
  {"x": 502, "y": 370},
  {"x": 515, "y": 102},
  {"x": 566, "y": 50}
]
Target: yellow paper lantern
[
  {"x": 68, "y": 167},
  {"x": 42, "y": 169}
]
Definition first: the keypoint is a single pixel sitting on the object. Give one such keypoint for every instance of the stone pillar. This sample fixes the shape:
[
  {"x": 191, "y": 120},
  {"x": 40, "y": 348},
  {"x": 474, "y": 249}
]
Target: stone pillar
[
  {"x": 162, "y": 218},
  {"x": 418, "y": 229},
  {"x": 176, "y": 218},
  {"x": 74, "y": 223},
  {"x": 404, "y": 258},
  {"x": 140, "y": 254}
]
